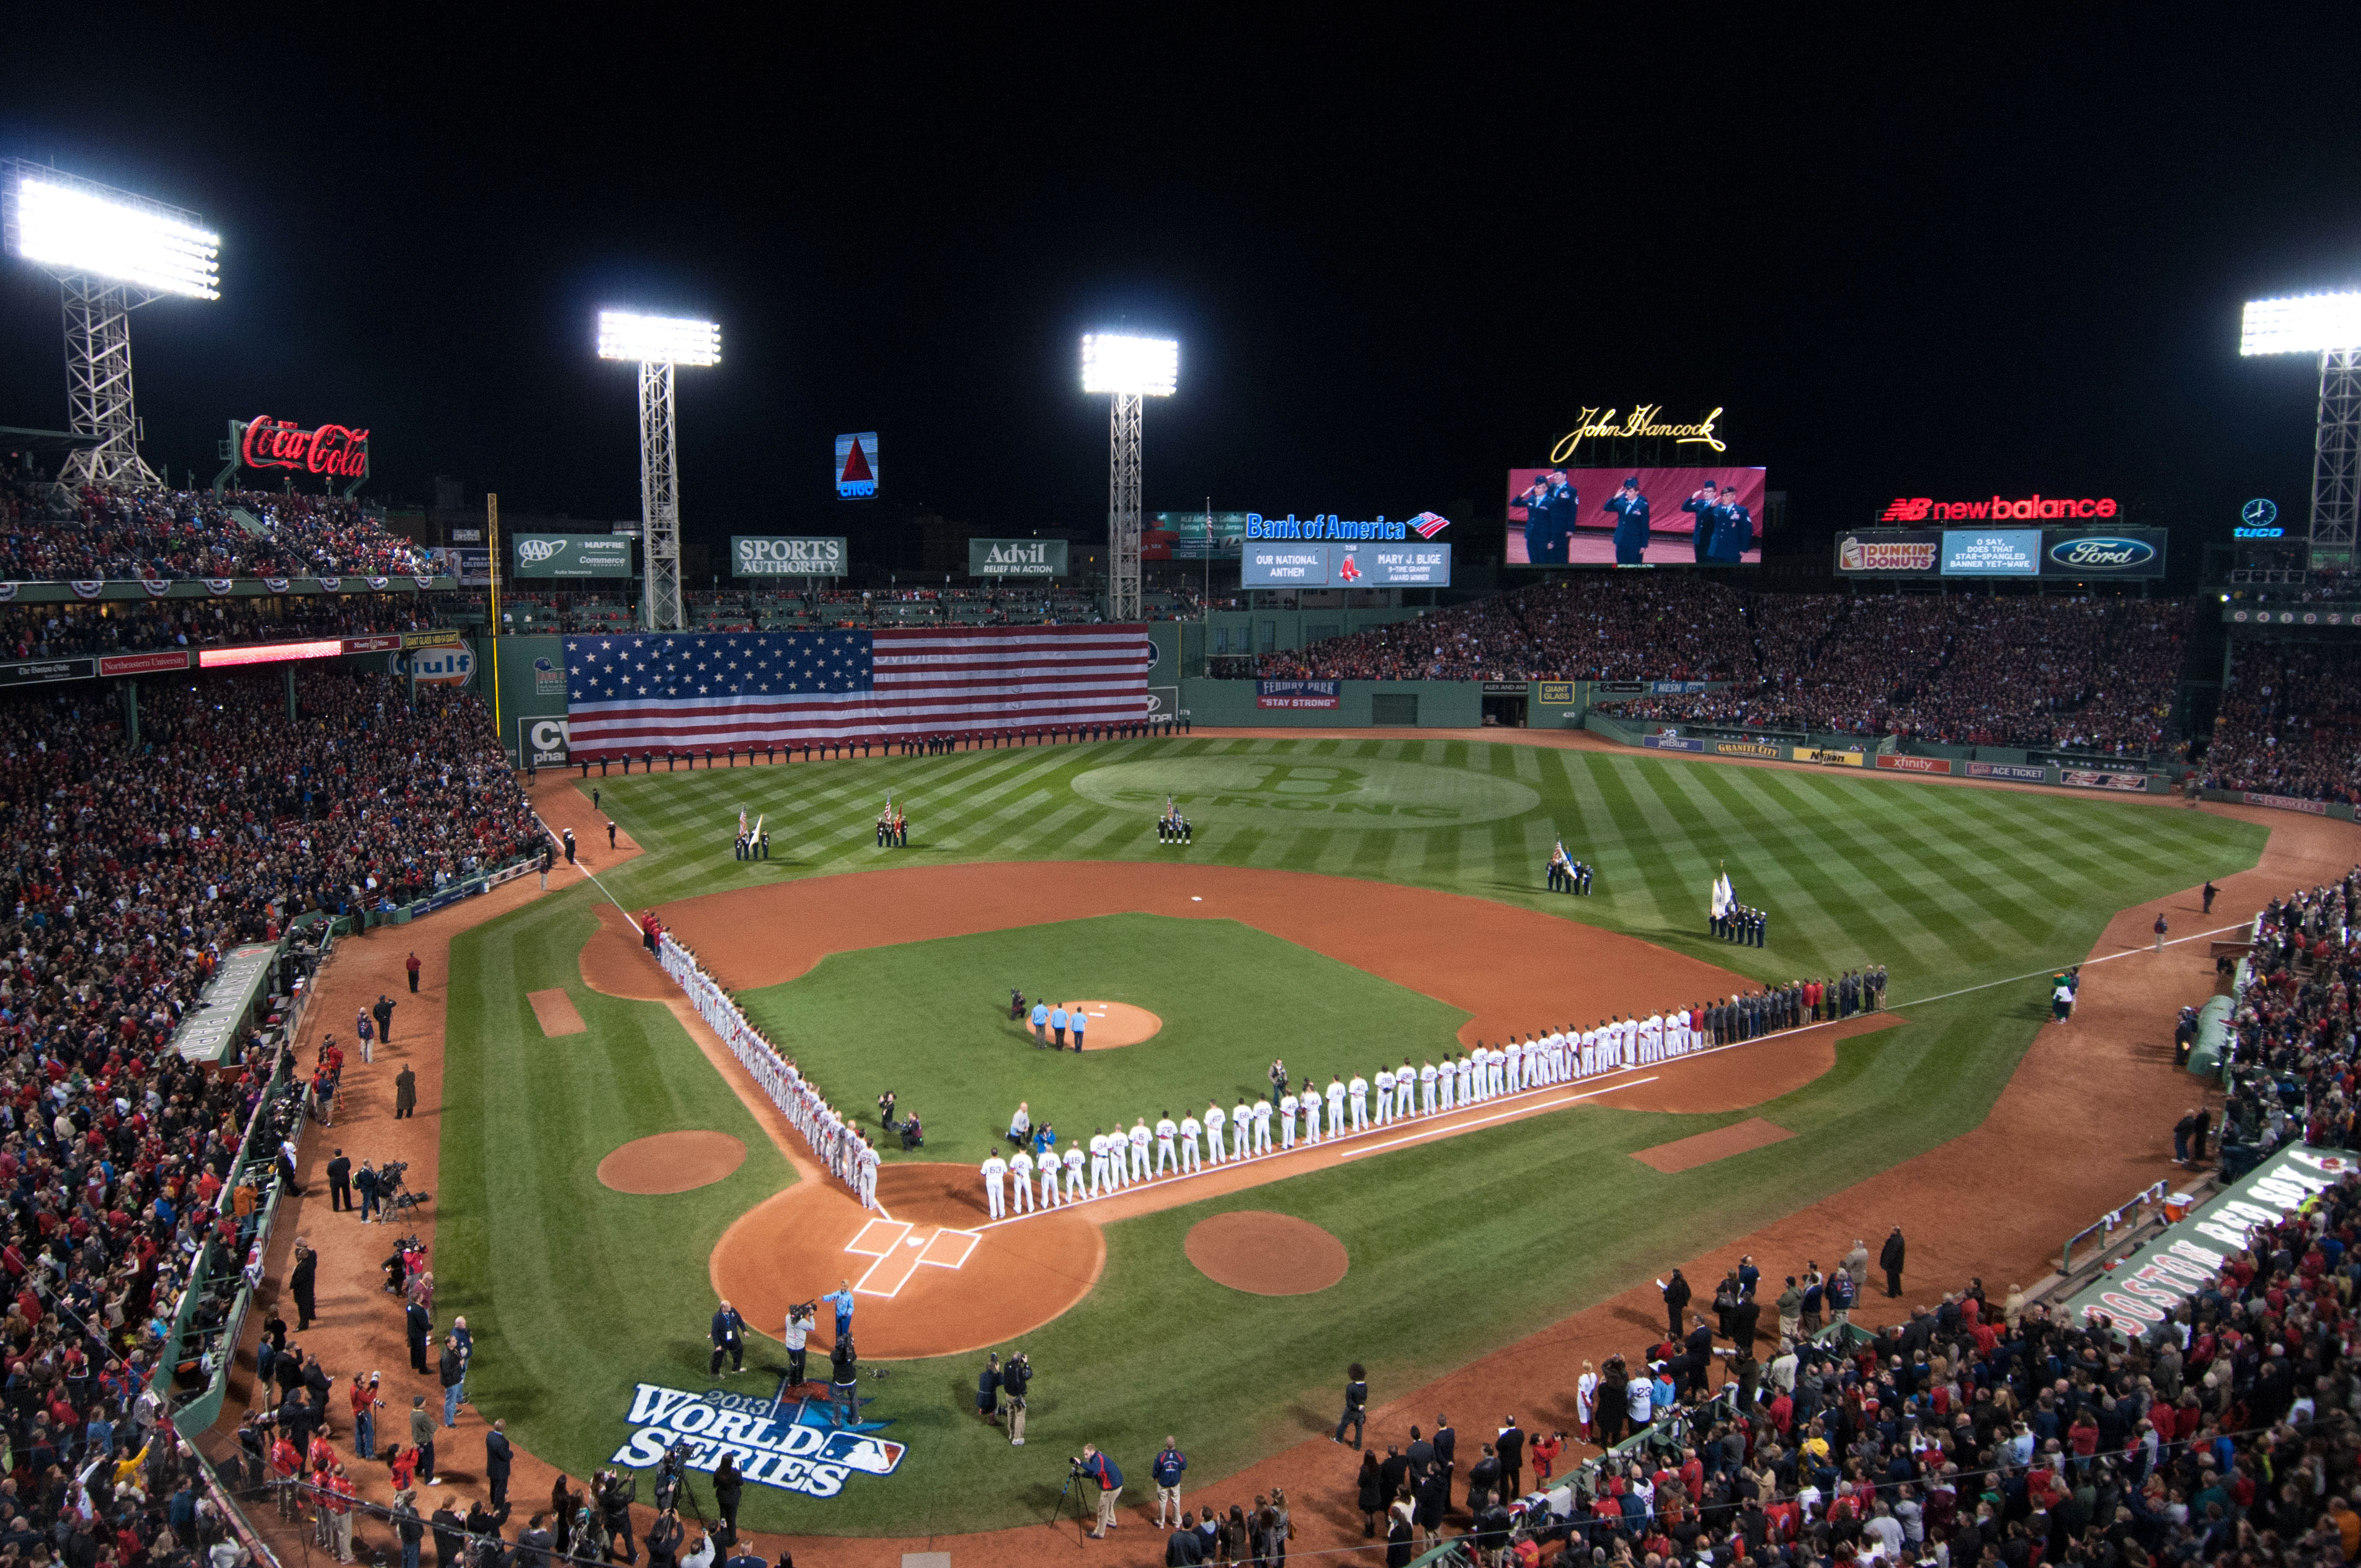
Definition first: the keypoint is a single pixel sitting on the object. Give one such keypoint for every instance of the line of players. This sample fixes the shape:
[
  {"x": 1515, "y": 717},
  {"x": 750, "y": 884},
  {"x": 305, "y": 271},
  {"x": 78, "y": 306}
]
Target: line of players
[{"x": 1109, "y": 1162}]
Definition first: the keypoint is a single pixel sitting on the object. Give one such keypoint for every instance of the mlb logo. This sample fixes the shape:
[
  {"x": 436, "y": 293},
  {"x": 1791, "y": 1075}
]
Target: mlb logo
[{"x": 870, "y": 1456}]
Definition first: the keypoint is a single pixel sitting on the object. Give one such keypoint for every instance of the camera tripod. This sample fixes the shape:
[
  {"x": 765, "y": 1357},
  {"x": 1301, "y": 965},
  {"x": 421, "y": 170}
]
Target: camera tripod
[{"x": 1082, "y": 1527}]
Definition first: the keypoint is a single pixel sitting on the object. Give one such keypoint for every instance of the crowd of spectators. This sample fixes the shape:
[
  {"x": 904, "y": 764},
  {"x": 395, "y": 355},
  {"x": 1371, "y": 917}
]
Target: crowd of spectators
[
  {"x": 124, "y": 877},
  {"x": 104, "y": 531},
  {"x": 2289, "y": 722},
  {"x": 125, "y": 626},
  {"x": 2022, "y": 671}
]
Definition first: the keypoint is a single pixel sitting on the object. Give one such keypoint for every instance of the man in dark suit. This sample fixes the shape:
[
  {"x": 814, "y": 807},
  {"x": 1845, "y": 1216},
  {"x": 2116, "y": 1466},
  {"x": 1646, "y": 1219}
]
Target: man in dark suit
[
  {"x": 1511, "y": 1446},
  {"x": 383, "y": 1014},
  {"x": 1889, "y": 1258},
  {"x": 1677, "y": 1301},
  {"x": 497, "y": 1459},
  {"x": 1483, "y": 1481},
  {"x": 728, "y": 1332},
  {"x": 417, "y": 1325},
  {"x": 1631, "y": 510},
  {"x": 1421, "y": 1457},
  {"x": 1446, "y": 1443},
  {"x": 1702, "y": 506},
  {"x": 340, "y": 1183}
]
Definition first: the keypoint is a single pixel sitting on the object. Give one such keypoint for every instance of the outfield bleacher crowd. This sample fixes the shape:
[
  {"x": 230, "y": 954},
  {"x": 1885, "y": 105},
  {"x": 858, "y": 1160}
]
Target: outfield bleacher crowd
[
  {"x": 127, "y": 626},
  {"x": 2288, "y": 722},
  {"x": 1962, "y": 669},
  {"x": 104, "y": 531}
]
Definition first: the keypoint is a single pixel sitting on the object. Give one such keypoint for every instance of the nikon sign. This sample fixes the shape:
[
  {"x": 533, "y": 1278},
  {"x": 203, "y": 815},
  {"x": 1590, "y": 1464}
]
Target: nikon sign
[
  {"x": 573, "y": 555},
  {"x": 786, "y": 556},
  {"x": 1015, "y": 557}
]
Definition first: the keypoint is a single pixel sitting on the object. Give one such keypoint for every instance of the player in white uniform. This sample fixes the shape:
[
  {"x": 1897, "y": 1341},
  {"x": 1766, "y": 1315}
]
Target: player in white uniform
[
  {"x": 1021, "y": 1169},
  {"x": 1098, "y": 1164},
  {"x": 1214, "y": 1119},
  {"x": 995, "y": 1173},
  {"x": 869, "y": 1161},
  {"x": 1241, "y": 1128},
  {"x": 1335, "y": 1106},
  {"x": 1075, "y": 1191},
  {"x": 1629, "y": 1052},
  {"x": 1359, "y": 1091},
  {"x": 1426, "y": 1089},
  {"x": 1385, "y": 1081},
  {"x": 1468, "y": 1077},
  {"x": 1496, "y": 1073},
  {"x": 1557, "y": 1054},
  {"x": 1262, "y": 1125},
  {"x": 1191, "y": 1159},
  {"x": 1521, "y": 1061},
  {"x": 1310, "y": 1101},
  {"x": 1166, "y": 1131},
  {"x": 1139, "y": 1137},
  {"x": 1287, "y": 1120},
  {"x": 1047, "y": 1166}
]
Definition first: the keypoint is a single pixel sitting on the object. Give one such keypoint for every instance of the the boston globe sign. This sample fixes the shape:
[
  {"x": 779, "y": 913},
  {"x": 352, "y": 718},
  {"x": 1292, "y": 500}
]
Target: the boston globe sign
[{"x": 788, "y": 555}]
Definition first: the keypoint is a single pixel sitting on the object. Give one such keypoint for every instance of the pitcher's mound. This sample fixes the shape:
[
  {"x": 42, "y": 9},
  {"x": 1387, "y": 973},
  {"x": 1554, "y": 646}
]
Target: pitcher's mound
[
  {"x": 1266, "y": 1254},
  {"x": 1113, "y": 1023},
  {"x": 672, "y": 1162}
]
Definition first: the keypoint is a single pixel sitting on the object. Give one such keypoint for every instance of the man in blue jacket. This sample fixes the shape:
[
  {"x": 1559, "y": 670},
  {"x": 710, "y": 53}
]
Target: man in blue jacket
[
  {"x": 1631, "y": 510},
  {"x": 1167, "y": 1470},
  {"x": 1702, "y": 505},
  {"x": 1103, "y": 1469}
]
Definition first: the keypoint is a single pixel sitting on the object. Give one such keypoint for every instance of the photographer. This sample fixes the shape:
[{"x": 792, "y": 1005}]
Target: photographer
[
  {"x": 844, "y": 1376},
  {"x": 801, "y": 1318},
  {"x": 1096, "y": 1466},
  {"x": 1014, "y": 1378},
  {"x": 613, "y": 1493}
]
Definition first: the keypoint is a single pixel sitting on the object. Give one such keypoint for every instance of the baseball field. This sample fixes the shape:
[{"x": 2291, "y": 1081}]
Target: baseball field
[{"x": 1346, "y": 902}]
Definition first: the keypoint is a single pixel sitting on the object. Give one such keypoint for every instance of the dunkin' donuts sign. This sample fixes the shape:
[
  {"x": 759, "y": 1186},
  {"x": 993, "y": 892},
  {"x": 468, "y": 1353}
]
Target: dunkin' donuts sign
[{"x": 337, "y": 451}]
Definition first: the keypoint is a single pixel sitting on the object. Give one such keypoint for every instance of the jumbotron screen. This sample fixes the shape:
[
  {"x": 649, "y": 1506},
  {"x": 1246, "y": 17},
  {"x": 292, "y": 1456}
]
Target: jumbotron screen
[{"x": 1633, "y": 517}]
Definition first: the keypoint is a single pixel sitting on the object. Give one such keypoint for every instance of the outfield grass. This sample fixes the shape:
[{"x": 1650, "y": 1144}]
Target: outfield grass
[
  {"x": 1230, "y": 998},
  {"x": 577, "y": 1293}
]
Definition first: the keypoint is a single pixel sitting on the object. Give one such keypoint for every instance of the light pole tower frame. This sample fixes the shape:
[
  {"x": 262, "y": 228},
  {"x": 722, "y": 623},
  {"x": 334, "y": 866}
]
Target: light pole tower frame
[
  {"x": 111, "y": 251},
  {"x": 659, "y": 500},
  {"x": 2336, "y": 461},
  {"x": 1123, "y": 507}
]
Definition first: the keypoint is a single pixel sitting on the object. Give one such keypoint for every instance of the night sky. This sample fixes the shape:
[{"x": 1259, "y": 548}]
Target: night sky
[{"x": 1399, "y": 257}]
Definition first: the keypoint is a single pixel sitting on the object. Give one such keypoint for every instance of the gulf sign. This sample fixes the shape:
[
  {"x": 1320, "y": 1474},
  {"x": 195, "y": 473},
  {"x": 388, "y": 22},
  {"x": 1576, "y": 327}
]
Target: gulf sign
[{"x": 452, "y": 666}]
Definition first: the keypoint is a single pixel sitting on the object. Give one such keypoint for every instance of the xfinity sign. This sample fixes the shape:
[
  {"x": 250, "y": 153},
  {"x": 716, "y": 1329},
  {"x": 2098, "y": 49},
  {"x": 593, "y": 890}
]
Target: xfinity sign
[
  {"x": 1015, "y": 557},
  {"x": 786, "y": 556}
]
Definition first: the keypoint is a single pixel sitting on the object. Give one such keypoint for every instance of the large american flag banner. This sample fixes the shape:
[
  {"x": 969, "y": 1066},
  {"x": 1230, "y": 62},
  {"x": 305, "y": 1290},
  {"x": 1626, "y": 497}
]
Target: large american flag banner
[{"x": 653, "y": 691}]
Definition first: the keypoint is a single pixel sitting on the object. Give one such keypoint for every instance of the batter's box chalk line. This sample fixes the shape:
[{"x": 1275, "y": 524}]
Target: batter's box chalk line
[{"x": 900, "y": 1249}]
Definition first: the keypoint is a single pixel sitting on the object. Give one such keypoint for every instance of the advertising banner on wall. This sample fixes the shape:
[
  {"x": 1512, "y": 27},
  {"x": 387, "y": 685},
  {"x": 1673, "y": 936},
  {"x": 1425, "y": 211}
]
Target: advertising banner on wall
[
  {"x": 1198, "y": 536},
  {"x": 541, "y": 741},
  {"x": 1561, "y": 517},
  {"x": 788, "y": 555},
  {"x": 856, "y": 465},
  {"x": 1015, "y": 557},
  {"x": 2020, "y": 772},
  {"x": 2076, "y": 552},
  {"x": 1896, "y": 761},
  {"x": 1297, "y": 694},
  {"x": 572, "y": 555},
  {"x": 1412, "y": 564},
  {"x": 2103, "y": 778}
]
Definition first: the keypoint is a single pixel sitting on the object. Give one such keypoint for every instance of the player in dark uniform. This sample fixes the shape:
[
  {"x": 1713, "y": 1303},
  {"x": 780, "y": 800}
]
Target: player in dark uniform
[
  {"x": 1733, "y": 533},
  {"x": 1702, "y": 506}
]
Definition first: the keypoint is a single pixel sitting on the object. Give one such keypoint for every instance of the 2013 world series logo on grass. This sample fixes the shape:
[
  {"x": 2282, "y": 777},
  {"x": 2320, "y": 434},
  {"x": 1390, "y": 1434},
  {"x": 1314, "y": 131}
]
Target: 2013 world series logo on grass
[{"x": 800, "y": 1448}]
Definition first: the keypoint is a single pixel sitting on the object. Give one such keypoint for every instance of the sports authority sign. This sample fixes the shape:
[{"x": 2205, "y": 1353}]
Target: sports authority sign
[
  {"x": 800, "y": 1447},
  {"x": 775, "y": 556},
  {"x": 338, "y": 451}
]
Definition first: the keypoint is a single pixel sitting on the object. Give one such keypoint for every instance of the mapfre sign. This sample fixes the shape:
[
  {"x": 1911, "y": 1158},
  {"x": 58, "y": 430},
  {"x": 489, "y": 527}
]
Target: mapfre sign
[{"x": 337, "y": 451}]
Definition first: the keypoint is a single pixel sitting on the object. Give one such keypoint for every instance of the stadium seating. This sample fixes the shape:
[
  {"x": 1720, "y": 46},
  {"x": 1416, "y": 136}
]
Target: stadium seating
[
  {"x": 122, "y": 626},
  {"x": 1963, "y": 669},
  {"x": 116, "y": 534},
  {"x": 2289, "y": 722}
]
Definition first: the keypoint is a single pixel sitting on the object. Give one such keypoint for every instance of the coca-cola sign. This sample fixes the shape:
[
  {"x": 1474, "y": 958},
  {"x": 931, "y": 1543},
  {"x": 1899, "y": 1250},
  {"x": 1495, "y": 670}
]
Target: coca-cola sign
[{"x": 338, "y": 451}]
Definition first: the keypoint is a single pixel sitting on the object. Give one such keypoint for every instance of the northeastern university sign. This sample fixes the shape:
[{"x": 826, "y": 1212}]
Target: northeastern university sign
[{"x": 798, "y": 1447}]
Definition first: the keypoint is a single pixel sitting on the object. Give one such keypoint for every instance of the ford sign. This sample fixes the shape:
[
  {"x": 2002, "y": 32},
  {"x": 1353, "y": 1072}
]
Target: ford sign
[{"x": 2131, "y": 553}]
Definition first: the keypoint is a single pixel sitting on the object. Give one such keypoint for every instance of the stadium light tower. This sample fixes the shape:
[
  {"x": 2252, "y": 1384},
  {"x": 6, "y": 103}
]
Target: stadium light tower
[
  {"x": 1126, "y": 368},
  {"x": 2329, "y": 326},
  {"x": 656, "y": 344},
  {"x": 111, "y": 252}
]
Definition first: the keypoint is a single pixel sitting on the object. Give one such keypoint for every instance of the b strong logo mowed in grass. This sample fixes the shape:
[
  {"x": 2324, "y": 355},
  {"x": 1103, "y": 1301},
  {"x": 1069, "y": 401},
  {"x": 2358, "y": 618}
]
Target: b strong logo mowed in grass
[{"x": 1360, "y": 793}]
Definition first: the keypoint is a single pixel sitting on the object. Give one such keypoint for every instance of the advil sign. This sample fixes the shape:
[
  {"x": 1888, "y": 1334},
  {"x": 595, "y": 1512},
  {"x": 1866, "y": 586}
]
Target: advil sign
[{"x": 338, "y": 451}]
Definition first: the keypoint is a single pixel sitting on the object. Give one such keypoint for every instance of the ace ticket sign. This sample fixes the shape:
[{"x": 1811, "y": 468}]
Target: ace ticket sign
[{"x": 801, "y": 1446}]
